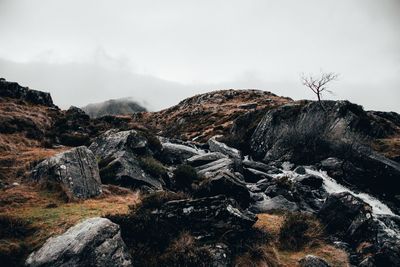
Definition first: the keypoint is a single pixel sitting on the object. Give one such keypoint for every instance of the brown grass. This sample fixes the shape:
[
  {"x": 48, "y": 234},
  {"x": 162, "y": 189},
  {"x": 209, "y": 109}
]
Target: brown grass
[
  {"x": 389, "y": 147},
  {"x": 272, "y": 224},
  {"x": 50, "y": 216}
]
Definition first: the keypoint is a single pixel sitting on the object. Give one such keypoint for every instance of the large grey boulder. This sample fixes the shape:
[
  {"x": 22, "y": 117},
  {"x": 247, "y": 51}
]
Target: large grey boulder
[
  {"x": 117, "y": 152},
  {"x": 93, "y": 242},
  {"x": 75, "y": 170}
]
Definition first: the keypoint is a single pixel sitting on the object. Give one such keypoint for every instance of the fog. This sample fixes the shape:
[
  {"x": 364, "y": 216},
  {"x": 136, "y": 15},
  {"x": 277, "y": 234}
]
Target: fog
[{"x": 159, "y": 52}]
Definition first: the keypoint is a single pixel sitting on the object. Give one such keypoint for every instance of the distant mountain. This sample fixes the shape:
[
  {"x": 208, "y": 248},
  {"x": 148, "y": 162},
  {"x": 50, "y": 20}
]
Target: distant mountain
[{"x": 113, "y": 107}]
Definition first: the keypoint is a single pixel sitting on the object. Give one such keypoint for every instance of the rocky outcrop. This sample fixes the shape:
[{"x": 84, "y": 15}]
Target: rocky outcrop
[
  {"x": 213, "y": 168},
  {"x": 286, "y": 132},
  {"x": 206, "y": 216},
  {"x": 205, "y": 115},
  {"x": 14, "y": 90},
  {"x": 308, "y": 132},
  {"x": 93, "y": 242},
  {"x": 118, "y": 154},
  {"x": 226, "y": 183},
  {"x": 278, "y": 203},
  {"x": 345, "y": 215},
  {"x": 75, "y": 171}
]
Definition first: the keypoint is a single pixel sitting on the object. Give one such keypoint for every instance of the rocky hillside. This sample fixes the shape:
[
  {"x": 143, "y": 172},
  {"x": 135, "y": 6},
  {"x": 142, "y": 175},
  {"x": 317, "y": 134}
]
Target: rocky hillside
[
  {"x": 123, "y": 106},
  {"x": 202, "y": 116},
  {"x": 227, "y": 178}
]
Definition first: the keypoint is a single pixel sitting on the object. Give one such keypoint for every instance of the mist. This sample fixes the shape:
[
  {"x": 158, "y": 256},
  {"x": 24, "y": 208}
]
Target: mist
[{"x": 159, "y": 52}]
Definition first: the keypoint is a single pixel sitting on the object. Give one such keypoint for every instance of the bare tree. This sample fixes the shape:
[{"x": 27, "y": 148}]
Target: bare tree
[{"x": 318, "y": 84}]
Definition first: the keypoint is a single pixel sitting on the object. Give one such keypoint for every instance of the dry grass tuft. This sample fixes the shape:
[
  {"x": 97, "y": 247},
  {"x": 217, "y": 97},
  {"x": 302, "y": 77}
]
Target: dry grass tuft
[{"x": 259, "y": 256}]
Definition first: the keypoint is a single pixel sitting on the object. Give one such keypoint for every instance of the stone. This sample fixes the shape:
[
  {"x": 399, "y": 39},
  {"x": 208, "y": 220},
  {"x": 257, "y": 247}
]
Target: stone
[
  {"x": 300, "y": 170},
  {"x": 253, "y": 175},
  {"x": 16, "y": 91},
  {"x": 75, "y": 170},
  {"x": 312, "y": 181},
  {"x": 313, "y": 261},
  {"x": 226, "y": 183},
  {"x": 345, "y": 216},
  {"x": 177, "y": 153},
  {"x": 93, "y": 242},
  {"x": 208, "y": 216},
  {"x": 118, "y": 154},
  {"x": 212, "y": 168},
  {"x": 203, "y": 159},
  {"x": 216, "y": 146}
]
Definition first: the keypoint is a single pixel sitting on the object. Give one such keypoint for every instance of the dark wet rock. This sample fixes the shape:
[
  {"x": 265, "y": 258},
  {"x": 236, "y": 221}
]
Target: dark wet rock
[
  {"x": 311, "y": 181},
  {"x": 75, "y": 171},
  {"x": 220, "y": 254},
  {"x": 118, "y": 154},
  {"x": 226, "y": 183},
  {"x": 209, "y": 216},
  {"x": 177, "y": 153},
  {"x": 216, "y": 146},
  {"x": 14, "y": 90},
  {"x": 346, "y": 216},
  {"x": 73, "y": 128},
  {"x": 203, "y": 159},
  {"x": 270, "y": 169},
  {"x": 285, "y": 133},
  {"x": 93, "y": 242},
  {"x": 213, "y": 168},
  {"x": 278, "y": 203},
  {"x": 253, "y": 175},
  {"x": 313, "y": 261},
  {"x": 300, "y": 170}
]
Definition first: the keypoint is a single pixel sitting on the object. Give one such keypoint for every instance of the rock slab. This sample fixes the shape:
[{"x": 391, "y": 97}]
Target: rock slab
[
  {"x": 93, "y": 242},
  {"x": 75, "y": 170}
]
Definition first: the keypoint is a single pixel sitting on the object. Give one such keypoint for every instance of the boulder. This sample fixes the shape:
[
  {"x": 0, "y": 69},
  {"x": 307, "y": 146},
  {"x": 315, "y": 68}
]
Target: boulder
[
  {"x": 16, "y": 91},
  {"x": 226, "y": 183},
  {"x": 93, "y": 242},
  {"x": 177, "y": 153},
  {"x": 212, "y": 168},
  {"x": 313, "y": 261},
  {"x": 312, "y": 181},
  {"x": 207, "y": 217},
  {"x": 220, "y": 255},
  {"x": 346, "y": 216},
  {"x": 216, "y": 146},
  {"x": 256, "y": 165},
  {"x": 253, "y": 175},
  {"x": 203, "y": 159},
  {"x": 75, "y": 170},
  {"x": 300, "y": 170},
  {"x": 118, "y": 153}
]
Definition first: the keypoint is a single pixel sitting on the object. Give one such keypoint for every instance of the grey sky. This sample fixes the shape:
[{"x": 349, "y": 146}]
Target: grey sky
[{"x": 162, "y": 51}]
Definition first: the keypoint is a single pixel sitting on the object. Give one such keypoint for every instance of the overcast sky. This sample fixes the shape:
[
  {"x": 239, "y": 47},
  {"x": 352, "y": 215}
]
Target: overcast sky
[{"x": 160, "y": 52}]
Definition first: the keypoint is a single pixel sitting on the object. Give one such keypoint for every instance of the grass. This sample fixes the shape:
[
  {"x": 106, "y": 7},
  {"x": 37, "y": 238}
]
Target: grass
[
  {"x": 273, "y": 224},
  {"x": 389, "y": 147},
  {"x": 49, "y": 216}
]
